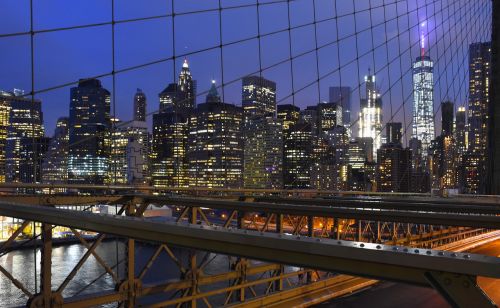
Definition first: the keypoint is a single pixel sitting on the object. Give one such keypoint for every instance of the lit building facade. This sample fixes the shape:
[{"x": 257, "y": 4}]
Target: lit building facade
[
  {"x": 289, "y": 115},
  {"x": 370, "y": 116},
  {"x": 297, "y": 156},
  {"x": 258, "y": 98},
  {"x": 323, "y": 165},
  {"x": 89, "y": 133},
  {"x": 394, "y": 165},
  {"x": 25, "y": 139},
  {"x": 4, "y": 125},
  {"x": 393, "y": 168},
  {"x": 117, "y": 171},
  {"x": 423, "y": 101},
  {"x": 263, "y": 154},
  {"x": 215, "y": 144},
  {"x": 330, "y": 115},
  {"x": 169, "y": 162},
  {"x": 479, "y": 100}
]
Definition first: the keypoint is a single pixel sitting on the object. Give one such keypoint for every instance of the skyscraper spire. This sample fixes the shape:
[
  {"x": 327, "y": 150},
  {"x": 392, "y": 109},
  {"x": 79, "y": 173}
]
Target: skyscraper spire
[
  {"x": 422, "y": 39},
  {"x": 213, "y": 95}
]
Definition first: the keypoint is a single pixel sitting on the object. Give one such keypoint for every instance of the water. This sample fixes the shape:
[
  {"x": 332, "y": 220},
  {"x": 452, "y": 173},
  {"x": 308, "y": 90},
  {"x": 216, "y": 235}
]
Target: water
[{"x": 21, "y": 265}]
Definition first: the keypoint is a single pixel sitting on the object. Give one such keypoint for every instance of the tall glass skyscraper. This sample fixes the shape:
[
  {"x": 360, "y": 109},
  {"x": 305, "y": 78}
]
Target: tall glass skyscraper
[
  {"x": 370, "y": 116},
  {"x": 423, "y": 98},
  {"x": 89, "y": 128}
]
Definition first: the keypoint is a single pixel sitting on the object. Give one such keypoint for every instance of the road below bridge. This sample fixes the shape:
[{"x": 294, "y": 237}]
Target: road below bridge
[{"x": 396, "y": 295}]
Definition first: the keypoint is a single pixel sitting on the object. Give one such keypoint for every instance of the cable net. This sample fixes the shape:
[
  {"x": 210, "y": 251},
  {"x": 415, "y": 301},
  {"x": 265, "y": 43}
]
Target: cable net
[{"x": 381, "y": 61}]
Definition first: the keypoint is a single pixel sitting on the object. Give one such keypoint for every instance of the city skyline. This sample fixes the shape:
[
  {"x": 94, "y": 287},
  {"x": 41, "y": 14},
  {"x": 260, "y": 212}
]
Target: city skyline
[{"x": 207, "y": 65}]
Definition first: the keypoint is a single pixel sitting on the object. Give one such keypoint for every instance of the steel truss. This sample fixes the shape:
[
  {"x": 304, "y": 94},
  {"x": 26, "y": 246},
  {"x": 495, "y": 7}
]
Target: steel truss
[{"x": 192, "y": 288}]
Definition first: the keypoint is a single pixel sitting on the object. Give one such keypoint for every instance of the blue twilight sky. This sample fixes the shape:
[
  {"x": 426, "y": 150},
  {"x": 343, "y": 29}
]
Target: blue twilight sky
[{"x": 388, "y": 48}]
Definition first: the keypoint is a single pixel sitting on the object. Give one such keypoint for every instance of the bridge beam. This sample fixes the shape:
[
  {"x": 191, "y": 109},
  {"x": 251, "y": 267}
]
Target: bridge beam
[{"x": 459, "y": 290}]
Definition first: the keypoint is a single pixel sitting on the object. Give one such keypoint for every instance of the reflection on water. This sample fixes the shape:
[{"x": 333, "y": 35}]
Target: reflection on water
[{"x": 64, "y": 258}]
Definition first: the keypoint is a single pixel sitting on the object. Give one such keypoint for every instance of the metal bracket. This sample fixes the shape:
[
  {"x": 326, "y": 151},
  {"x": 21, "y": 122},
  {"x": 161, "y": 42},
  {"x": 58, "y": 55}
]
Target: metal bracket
[
  {"x": 37, "y": 300},
  {"x": 459, "y": 290}
]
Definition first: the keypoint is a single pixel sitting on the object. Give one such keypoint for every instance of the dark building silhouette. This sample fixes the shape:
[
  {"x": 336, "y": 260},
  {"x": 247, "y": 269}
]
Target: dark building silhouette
[
  {"x": 394, "y": 132},
  {"x": 447, "y": 109},
  {"x": 187, "y": 86},
  {"x": 89, "y": 133},
  {"x": 32, "y": 153},
  {"x": 342, "y": 96},
  {"x": 55, "y": 165},
  {"x": 393, "y": 168},
  {"x": 139, "y": 106}
]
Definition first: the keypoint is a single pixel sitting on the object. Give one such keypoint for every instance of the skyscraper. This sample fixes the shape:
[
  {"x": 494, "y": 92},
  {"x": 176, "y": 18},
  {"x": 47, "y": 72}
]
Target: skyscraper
[
  {"x": 447, "y": 110},
  {"x": 55, "y": 164},
  {"x": 297, "y": 156},
  {"x": 342, "y": 97},
  {"x": 4, "y": 125},
  {"x": 216, "y": 144},
  {"x": 169, "y": 162},
  {"x": 258, "y": 97},
  {"x": 117, "y": 171},
  {"x": 323, "y": 165},
  {"x": 89, "y": 133},
  {"x": 423, "y": 98},
  {"x": 394, "y": 168},
  {"x": 169, "y": 149},
  {"x": 479, "y": 99},
  {"x": 370, "y": 116},
  {"x": 187, "y": 86},
  {"x": 461, "y": 130},
  {"x": 24, "y": 138},
  {"x": 479, "y": 96},
  {"x": 139, "y": 106},
  {"x": 263, "y": 153}
]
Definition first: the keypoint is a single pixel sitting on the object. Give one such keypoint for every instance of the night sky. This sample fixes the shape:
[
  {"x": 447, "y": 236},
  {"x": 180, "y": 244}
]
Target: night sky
[{"x": 62, "y": 57}]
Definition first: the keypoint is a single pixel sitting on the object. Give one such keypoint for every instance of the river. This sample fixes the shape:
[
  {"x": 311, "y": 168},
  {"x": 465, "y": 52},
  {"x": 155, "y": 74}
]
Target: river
[{"x": 20, "y": 264}]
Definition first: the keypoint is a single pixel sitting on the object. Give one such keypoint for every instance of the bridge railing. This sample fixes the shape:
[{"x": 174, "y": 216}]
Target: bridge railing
[{"x": 382, "y": 221}]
